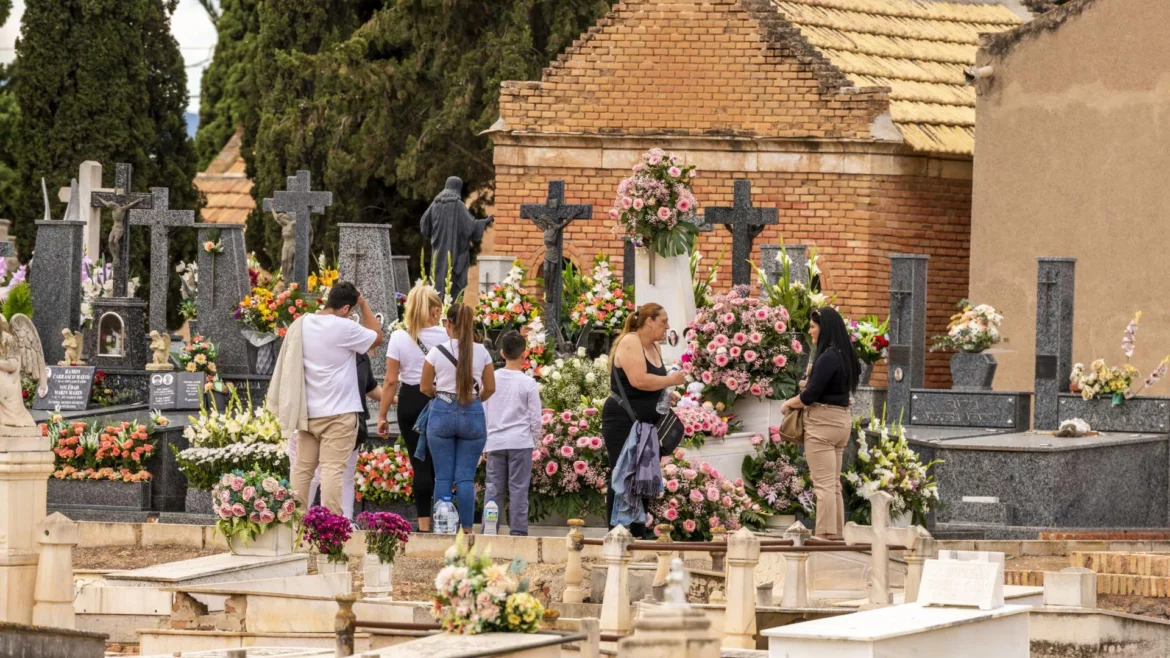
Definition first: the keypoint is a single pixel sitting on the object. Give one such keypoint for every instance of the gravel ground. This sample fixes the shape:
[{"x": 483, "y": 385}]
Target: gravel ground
[{"x": 116, "y": 558}]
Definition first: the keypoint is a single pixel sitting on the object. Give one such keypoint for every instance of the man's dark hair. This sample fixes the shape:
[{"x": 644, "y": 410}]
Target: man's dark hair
[
  {"x": 512, "y": 345},
  {"x": 342, "y": 294}
]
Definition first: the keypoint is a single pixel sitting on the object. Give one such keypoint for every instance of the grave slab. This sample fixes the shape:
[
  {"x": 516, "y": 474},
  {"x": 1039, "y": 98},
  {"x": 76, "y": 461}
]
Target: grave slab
[
  {"x": 907, "y": 630},
  {"x": 535, "y": 645},
  {"x": 1145, "y": 415},
  {"x": 222, "y": 568},
  {"x": 949, "y": 408}
]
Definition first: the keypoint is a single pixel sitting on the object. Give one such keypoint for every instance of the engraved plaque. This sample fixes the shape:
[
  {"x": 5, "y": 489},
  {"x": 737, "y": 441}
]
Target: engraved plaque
[
  {"x": 1045, "y": 366},
  {"x": 899, "y": 355}
]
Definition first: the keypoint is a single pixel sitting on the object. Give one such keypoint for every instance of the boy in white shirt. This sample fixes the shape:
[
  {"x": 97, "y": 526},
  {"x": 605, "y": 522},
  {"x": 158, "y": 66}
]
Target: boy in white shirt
[{"x": 513, "y": 427}]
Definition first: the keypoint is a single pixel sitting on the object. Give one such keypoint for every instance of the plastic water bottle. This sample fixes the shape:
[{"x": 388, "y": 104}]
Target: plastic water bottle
[
  {"x": 446, "y": 518},
  {"x": 491, "y": 518}
]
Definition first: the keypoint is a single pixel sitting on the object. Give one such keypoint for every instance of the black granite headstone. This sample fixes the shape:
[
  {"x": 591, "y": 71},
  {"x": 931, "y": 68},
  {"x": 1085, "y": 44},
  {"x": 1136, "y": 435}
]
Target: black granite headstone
[
  {"x": 907, "y": 331},
  {"x": 69, "y": 388},
  {"x": 176, "y": 390},
  {"x": 223, "y": 282},
  {"x": 745, "y": 223},
  {"x": 55, "y": 282},
  {"x": 1055, "y": 287}
]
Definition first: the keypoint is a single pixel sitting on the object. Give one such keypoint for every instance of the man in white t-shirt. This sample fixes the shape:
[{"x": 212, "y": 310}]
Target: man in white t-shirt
[{"x": 331, "y": 342}]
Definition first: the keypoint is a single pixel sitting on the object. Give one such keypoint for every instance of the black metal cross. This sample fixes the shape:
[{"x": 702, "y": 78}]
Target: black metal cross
[
  {"x": 301, "y": 203},
  {"x": 120, "y": 200},
  {"x": 160, "y": 218},
  {"x": 552, "y": 217},
  {"x": 1046, "y": 285},
  {"x": 745, "y": 223}
]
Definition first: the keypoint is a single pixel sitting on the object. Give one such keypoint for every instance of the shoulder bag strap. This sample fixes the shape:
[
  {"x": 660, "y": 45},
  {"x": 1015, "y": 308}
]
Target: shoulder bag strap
[
  {"x": 622, "y": 400},
  {"x": 422, "y": 348},
  {"x": 454, "y": 362}
]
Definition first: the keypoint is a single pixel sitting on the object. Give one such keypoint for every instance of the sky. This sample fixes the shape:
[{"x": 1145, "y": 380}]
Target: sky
[{"x": 190, "y": 25}]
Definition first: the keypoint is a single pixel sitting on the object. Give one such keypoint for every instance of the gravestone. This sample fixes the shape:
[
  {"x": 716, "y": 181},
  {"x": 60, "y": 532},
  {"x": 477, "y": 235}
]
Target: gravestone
[
  {"x": 907, "y": 351},
  {"x": 552, "y": 217},
  {"x": 402, "y": 282},
  {"x": 55, "y": 281},
  {"x": 950, "y": 408},
  {"x": 118, "y": 338},
  {"x": 301, "y": 203},
  {"x": 89, "y": 181},
  {"x": 120, "y": 197},
  {"x": 628, "y": 260},
  {"x": 223, "y": 282},
  {"x": 773, "y": 268},
  {"x": 1055, "y": 287},
  {"x": 69, "y": 388},
  {"x": 160, "y": 218},
  {"x": 962, "y": 583},
  {"x": 176, "y": 390},
  {"x": 745, "y": 223},
  {"x": 366, "y": 262}
]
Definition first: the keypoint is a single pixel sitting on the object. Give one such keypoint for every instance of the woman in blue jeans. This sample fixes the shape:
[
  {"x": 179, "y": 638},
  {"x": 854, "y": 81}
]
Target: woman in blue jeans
[{"x": 458, "y": 376}]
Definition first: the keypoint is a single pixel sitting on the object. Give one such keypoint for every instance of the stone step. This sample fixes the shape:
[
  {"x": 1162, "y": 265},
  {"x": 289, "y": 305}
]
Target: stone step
[
  {"x": 1125, "y": 585},
  {"x": 221, "y": 568},
  {"x": 1134, "y": 564}
]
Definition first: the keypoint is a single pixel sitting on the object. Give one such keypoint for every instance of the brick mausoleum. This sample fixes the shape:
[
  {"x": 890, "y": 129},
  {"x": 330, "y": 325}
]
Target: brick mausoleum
[{"x": 850, "y": 116}]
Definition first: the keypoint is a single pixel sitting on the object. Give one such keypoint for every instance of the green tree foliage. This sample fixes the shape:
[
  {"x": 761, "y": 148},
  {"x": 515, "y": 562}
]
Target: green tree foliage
[
  {"x": 102, "y": 80},
  {"x": 385, "y": 112},
  {"x": 8, "y": 114},
  {"x": 228, "y": 96}
]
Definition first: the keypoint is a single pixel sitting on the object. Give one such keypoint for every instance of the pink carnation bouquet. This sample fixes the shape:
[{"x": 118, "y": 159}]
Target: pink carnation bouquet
[
  {"x": 739, "y": 346},
  {"x": 696, "y": 498},
  {"x": 656, "y": 206},
  {"x": 569, "y": 465}
]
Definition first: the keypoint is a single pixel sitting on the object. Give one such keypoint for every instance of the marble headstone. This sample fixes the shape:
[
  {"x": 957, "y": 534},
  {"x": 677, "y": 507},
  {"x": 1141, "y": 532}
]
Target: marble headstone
[
  {"x": 161, "y": 219},
  {"x": 55, "y": 282},
  {"x": 745, "y": 223},
  {"x": 1055, "y": 286},
  {"x": 301, "y": 203},
  {"x": 907, "y": 351},
  {"x": 962, "y": 583},
  {"x": 366, "y": 262},
  {"x": 223, "y": 282}
]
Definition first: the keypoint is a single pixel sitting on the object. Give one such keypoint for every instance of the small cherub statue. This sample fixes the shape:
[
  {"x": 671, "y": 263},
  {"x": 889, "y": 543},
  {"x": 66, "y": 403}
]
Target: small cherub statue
[
  {"x": 160, "y": 346},
  {"x": 72, "y": 345},
  {"x": 677, "y": 583}
]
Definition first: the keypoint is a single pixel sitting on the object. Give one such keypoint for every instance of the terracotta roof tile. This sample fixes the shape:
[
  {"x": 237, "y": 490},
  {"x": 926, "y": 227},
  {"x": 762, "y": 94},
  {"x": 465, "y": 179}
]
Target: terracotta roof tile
[{"x": 228, "y": 190}]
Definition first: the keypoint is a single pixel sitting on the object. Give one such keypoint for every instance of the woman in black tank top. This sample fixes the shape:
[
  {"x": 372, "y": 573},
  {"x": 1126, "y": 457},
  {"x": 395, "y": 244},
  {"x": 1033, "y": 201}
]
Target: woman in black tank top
[{"x": 632, "y": 365}]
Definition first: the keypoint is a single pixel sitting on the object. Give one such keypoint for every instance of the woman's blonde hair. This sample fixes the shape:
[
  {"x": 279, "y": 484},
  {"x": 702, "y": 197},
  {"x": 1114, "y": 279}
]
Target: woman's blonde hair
[
  {"x": 635, "y": 321},
  {"x": 420, "y": 302}
]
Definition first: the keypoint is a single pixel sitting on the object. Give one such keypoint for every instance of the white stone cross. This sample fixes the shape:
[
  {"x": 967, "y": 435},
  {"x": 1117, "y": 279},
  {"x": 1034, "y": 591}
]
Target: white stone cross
[
  {"x": 880, "y": 536},
  {"x": 89, "y": 180}
]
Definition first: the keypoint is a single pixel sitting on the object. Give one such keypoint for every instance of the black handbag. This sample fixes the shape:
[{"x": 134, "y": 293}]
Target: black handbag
[{"x": 670, "y": 428}]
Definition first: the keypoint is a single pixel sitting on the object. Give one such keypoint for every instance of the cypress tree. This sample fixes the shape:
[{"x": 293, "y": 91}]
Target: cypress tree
[
  {"x": 8, "y": 114},
  {"x": 102, "y": 80},
  {"x": 228, "y": 96}
]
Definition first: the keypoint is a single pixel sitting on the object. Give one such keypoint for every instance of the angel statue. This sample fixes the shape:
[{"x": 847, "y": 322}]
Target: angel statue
[
  {"x": 20, "y": 353},
  {"x": 160, "y": 347},
  {"x": 72, "y": 345}
]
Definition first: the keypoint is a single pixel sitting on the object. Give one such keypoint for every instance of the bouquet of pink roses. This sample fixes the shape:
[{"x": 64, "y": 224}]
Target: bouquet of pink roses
[
  {"x": 569, "y": 459},
  {"x": 699, "y": 424},
  {"x": 739, "y": 346},
  {"x": 247, "y": 503},
  {"x": 656, "y": 206},
  {"x": 696, "y": 499}
]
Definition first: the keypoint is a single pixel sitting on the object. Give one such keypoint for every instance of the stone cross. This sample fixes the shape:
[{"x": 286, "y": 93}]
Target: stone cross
[
  {"x": 301, "y": 203},
  {"x": 223, "y": 282},
  {"x": 773, "y": 268},
  {"x": 160, "y": 218},
  {"x": 907, "y": 350},
  {"x": 745, "y": 223},
  {"x": 880, "y": 536},
  {"x": 1055, "y": 287},
  {"x": 89, "y": 180},
  {"x": 552, "y": 217},
  {"x": 366, "y": 261},
  {"x": 121, "y": 199}
]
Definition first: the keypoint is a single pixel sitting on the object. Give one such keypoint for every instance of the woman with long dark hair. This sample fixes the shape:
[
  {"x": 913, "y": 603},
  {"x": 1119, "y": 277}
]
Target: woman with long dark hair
[
  {"x": 459, "y": 376},
  {"x": 405, "y": 353},
  {"x": 637, "y": 367},
  {"x": 827, "y": 423}
]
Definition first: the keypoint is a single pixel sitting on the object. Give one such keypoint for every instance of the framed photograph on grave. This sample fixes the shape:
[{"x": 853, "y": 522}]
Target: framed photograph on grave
[{"x": 69, "y": 388}]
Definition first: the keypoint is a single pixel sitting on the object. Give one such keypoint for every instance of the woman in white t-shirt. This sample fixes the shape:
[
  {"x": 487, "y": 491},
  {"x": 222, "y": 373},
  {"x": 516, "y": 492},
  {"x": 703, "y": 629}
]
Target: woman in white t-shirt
[
  {"x": 459, "y": 376},
  {"x": 405, "y": 352}
]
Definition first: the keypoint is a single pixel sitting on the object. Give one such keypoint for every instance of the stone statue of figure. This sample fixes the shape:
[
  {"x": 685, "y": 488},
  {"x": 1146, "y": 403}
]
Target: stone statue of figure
[
  {"x": 451, "y": 229},
  {"x": 288, "y": 248},
  {"x": 677, "y": 583},
  {"x": 118, "y": 230},
  {"x": 72, "y": 345},
  {"x": 160, "y": 347},
  {"x": 20, "y": 353}
]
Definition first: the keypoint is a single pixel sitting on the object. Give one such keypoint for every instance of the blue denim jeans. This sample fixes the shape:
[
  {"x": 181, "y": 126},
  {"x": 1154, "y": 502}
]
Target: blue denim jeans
[{"x": 455, "y": 439}]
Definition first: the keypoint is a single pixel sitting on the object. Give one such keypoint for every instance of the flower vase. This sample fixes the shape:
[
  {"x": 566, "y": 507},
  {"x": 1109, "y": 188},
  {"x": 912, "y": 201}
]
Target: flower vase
[
  {"x": 324, "y": 566},
  {"x": 972, "y": 371},
  {"x": 274, "y": 541},
  {"x": 378, "y": 576},
  {"x": 263, "y": 349},
  {"x": 903, "y": 520},
  {"x": 866, "y": 373}
]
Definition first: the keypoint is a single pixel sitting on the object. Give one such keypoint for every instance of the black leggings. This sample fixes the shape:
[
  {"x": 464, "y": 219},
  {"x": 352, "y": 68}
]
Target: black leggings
[
  {"x": 410, "y": 404},
  {"x": 615, "y": 429}
]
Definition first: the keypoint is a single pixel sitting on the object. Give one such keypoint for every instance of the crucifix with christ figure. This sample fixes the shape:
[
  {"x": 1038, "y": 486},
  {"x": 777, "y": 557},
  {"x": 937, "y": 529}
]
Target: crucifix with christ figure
[
  {"x": 118, "y": 203},
  {"x": 745, "y": 223},
  {"x": 161, "y": 219},
  {"x": 301, "y": 203},
  {"x": 552, "y": 217}
]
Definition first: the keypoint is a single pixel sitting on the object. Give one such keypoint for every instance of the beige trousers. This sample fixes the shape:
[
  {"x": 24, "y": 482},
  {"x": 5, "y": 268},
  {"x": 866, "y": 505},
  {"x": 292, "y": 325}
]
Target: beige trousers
[
  {"x": 329, "y": 442},
  {"x": 826, "y": 432}
]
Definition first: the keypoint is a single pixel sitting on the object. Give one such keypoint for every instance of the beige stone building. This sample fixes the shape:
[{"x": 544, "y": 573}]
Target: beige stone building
[{"x": 1073, "y": 160}]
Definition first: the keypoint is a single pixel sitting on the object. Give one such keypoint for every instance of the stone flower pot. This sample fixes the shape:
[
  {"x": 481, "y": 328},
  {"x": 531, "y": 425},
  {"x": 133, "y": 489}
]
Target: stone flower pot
[
  {"x": 972, "y": 371},
  {"x": 378, "y": 576},
  {"x": 276, "y": 540},
  {"x": 198, "y": 501},
  {"x": 325, "y": 566},
  {"x": 865, "y": 374},
  {"x": 98, "y": 494}
]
